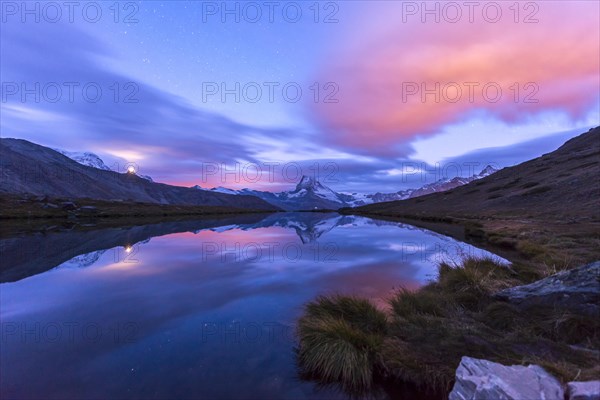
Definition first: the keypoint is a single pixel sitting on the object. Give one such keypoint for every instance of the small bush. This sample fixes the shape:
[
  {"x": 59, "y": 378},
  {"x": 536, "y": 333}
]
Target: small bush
[
  {"x": 407, "y": 304},
  {"x": 359, "y": 313},
  {"x": 530, "y": 249},
  {"x": 424, "y": 367},
  {"x": 478, "y": 275},
  {"x": 500, "y": 315}
]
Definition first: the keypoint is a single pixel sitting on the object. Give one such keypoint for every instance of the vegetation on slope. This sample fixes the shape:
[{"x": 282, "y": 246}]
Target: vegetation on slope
[{"x": 421, "y": 340}]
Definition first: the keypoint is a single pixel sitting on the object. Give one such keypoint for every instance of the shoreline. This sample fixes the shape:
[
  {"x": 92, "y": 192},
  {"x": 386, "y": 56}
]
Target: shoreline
[
  {"x": 423, "y": 334},
  {"x": 530, "y": 240}
]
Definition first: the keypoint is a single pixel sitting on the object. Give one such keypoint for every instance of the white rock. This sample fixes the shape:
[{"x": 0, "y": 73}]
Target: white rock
[
  {"x": 584, "y": 390},
  {"x": 483, "y": 380}
]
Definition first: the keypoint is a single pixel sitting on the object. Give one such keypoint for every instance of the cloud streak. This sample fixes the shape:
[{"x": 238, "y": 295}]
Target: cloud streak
[
  {"x": 405, "y": 80},
  {"x": 167, "y": 137}
]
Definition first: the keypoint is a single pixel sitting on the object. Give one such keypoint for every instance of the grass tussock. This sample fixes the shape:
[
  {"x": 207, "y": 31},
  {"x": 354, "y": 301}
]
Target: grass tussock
[
  {"x": 476, "y": 276},
  {"x": 340, "y": 339},
  {"x": 426, "y": 332}
]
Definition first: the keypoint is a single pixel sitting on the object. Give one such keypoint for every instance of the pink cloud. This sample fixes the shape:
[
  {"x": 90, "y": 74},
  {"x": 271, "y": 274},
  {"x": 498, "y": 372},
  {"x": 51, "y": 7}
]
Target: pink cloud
[{"x": 555, "y": 64}]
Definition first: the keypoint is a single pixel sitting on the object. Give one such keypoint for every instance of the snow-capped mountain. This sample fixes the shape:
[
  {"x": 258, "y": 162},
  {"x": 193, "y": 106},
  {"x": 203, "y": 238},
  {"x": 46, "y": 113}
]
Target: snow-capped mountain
[
  {"x": 439, "y": 186},
  {"x": 85, "y": 158},
  {"x": 311, "y": 194},
  {"x": 219, "y": 189},
  {"x": 91, "y": 160}
]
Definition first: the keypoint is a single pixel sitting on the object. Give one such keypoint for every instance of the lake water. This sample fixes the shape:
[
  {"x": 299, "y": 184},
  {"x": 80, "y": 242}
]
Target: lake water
[{"x": 194, "y": 309}]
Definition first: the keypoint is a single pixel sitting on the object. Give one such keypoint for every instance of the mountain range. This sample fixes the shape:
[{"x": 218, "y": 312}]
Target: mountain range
[
  {"x": 31, "y": 169},
  {"x": 562, "y": 184},
  {"x": 311, "y": 194}
]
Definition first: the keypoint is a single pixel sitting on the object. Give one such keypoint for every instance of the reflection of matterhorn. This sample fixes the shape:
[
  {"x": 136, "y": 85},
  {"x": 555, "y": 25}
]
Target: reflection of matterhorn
[
  {"x": 308, "y": 226},
  {"x": 82, "y": 261}
]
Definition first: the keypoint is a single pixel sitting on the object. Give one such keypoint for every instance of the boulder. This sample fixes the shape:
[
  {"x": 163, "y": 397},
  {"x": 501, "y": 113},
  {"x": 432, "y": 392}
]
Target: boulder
[
  {"x": 482, "y": 380},
  {"x": 577, "y": 290},
  {"x": 583, "y": 390},
  {"x": 68, "y": 205}
]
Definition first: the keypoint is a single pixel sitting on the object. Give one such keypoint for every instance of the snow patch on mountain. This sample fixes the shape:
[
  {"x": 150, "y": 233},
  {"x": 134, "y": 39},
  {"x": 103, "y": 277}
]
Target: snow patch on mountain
[
  {"x": 92, "y": 160},
  {"x": 85, "y": 158}
]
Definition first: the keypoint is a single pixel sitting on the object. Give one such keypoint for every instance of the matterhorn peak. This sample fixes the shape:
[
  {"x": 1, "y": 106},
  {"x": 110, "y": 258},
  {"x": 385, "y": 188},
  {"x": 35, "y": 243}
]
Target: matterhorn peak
[
  {"x": 307, "y": 182},
  {"x": 306, "y": 178}
]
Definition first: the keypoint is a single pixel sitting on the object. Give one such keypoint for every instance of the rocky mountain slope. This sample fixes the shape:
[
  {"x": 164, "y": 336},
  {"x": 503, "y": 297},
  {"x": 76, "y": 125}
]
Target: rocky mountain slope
[
  {"x": 28, "y": 168},
  {"x": 441, "y": 185},
  {"x": 311, "y": 194},
  {"x": 562, "y": 185}
]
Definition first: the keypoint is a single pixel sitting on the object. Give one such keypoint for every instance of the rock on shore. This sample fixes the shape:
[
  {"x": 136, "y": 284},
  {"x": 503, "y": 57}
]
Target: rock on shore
[
  {"x": 481, "y": 379},
  {"x": 577, "y": 289}
]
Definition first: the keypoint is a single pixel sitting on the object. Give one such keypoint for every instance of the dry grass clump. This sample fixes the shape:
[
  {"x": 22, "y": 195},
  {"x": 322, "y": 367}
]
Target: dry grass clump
[{"x": 340, "y": 337}]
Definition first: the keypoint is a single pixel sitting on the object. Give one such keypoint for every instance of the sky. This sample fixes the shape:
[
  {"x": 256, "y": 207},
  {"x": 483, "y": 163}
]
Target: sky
[{"x": 367, "y": 96}]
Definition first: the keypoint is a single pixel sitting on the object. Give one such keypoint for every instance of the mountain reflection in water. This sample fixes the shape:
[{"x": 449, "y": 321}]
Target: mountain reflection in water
[{"x": 194, "y": 309}]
